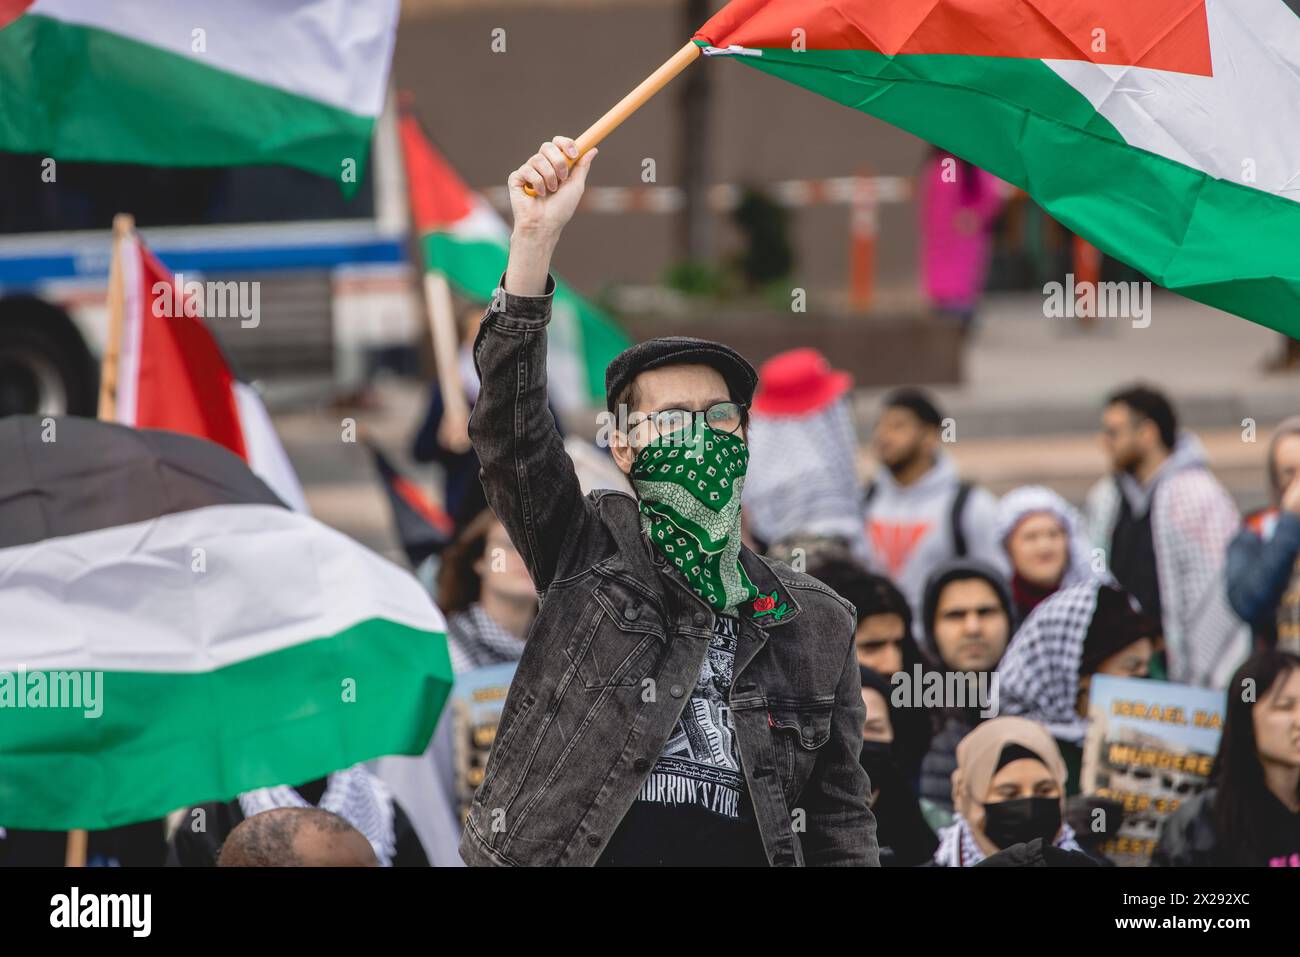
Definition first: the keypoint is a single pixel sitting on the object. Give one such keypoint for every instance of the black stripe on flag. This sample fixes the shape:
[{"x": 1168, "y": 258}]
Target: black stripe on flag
[{"x": 95, "y": 475}]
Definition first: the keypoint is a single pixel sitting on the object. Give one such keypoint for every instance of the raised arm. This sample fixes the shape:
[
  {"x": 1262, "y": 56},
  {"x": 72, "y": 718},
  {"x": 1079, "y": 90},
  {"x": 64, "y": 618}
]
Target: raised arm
[{"x": 527, "y": 476}]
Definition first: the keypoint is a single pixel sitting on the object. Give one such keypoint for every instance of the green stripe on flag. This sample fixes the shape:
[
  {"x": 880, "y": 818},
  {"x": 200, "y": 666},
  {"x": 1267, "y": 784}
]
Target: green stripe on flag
[
  {"x": 79, "y": 93},
  {"x": 1224, "y": 244},
  {"x": 474, "y": 267},
  {"x": 280, "y": 718}
]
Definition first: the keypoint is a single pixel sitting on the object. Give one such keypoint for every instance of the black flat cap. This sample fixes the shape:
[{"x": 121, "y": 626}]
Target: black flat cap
[{"x": 680, "y": 350}]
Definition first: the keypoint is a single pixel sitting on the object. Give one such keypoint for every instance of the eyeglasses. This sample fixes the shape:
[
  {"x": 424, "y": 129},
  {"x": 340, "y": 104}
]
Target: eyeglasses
[{"x": 721, "y": 416}]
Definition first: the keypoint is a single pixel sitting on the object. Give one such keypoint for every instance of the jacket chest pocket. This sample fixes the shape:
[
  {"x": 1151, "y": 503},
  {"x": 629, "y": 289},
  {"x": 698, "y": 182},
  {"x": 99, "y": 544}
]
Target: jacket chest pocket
[
  {"x": 618, "y": 642},
  {"x": 801, "y": 729}
]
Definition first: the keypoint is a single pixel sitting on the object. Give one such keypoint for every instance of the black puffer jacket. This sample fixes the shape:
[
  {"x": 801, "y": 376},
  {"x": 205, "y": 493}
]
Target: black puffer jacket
[
  {"x": 941, "y": 761},
  {"x": 1191, "y": 836},
  {"x": 1188, "y": 838}
]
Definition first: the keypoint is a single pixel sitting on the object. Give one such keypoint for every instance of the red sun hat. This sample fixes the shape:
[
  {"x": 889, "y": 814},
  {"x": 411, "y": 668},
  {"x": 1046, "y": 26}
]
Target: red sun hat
[{"x": 798, "y": 382}]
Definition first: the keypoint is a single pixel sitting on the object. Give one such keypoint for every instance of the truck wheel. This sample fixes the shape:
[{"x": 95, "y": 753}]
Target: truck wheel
[{"x": 45, "y": 368}]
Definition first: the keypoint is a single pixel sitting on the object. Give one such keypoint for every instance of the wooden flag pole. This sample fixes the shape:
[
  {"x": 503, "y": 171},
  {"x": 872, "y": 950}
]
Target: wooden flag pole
[
  {"x": 446, "y": 346},
  {"x": 123, "y": 226},
  {"x": 625, "y": 107},
  {"x": 75, "y": 855}
]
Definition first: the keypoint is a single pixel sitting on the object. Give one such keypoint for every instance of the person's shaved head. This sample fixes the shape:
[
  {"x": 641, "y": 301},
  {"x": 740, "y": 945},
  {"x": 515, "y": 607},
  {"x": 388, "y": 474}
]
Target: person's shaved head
[{"x": 296, "y": 837}]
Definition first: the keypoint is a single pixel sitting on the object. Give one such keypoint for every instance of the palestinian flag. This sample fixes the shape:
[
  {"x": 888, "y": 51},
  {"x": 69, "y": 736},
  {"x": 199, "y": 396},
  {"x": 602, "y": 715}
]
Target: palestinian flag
[
  {"x": 423, "y": 527},
  {"x": 195, "y": 83},
  {"x": 462, "y": 237},
  {"x": 1166, "y": 132},
  {"x": 173, "y": 634},
  {"x": 173, "y": 375}
]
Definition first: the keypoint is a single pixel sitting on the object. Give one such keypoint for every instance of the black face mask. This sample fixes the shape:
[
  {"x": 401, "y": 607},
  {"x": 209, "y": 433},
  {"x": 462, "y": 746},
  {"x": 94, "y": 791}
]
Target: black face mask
[
  {"x": 1022, "y": 820},
  {"x": 877, "y": 759}
]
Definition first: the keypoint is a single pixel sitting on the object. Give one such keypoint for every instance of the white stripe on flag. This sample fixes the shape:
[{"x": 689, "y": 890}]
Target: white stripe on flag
[
  {"x": 1241, "y": 125},
  {"x": 334, "y": 51},
  {"x": 266, "y": 456},
  {"x": 128, "y": 361},
  {"x": 195, "y": 591}
]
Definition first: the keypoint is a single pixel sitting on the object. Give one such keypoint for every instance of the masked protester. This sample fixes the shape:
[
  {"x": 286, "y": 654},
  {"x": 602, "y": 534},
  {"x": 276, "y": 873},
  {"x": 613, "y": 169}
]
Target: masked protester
[
  {"x": 1045, "y": 548},
  {"x": 1047, "y": 671},
  {"x": 1008, "y": 789},
  {"x": 1249, "y": 815},
  {"x": 679, "y": 695},
  {"x": 885, "y": 645},
  {"x": 1264, "y": 558},
  {"x": 904, "y": 836},
  {"x": 968, "y": 621}
]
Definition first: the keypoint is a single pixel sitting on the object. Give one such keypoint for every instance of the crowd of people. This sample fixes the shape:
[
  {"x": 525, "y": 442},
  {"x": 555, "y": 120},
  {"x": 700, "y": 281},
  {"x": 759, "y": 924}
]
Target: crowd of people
[
  {"x": 718, "y": 639},
  {"x": 1158, "y": 577}
]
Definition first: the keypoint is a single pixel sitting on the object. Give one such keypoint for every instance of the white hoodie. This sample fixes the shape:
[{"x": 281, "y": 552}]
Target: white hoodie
[{"x": 910, "y": 528}]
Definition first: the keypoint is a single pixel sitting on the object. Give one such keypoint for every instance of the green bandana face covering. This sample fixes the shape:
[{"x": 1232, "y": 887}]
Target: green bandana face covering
[{"x": 689, "y": 487}]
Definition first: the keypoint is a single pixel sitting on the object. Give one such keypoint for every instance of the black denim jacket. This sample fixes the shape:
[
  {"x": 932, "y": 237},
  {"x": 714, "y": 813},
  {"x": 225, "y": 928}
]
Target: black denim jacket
[{"x": 617, "y": 647}]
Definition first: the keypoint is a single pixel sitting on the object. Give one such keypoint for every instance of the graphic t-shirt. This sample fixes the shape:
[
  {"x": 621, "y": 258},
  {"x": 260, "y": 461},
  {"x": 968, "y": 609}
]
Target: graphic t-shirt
[{"x": 694, "y": 808}]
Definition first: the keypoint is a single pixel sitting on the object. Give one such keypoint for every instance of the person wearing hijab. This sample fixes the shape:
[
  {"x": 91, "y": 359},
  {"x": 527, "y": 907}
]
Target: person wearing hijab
[
  {"x": 1264, "y": 557},
  {"x": 1008, "y": 789},
  {"x": 1249, "y": 815},
  {"x": 1046, "y": 674},
  {"x": 968, "y": 620},
  {"x": 904, "y": 836},
  {"x": 1044, "y": 546}
]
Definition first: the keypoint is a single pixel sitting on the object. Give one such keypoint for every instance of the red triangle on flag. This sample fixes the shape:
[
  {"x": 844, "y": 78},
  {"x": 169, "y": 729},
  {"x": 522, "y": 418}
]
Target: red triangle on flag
[
  {"x": 11, "y": 10},
  {"x": 438, "y": 195},
  {"x": 183, "y": 383}
]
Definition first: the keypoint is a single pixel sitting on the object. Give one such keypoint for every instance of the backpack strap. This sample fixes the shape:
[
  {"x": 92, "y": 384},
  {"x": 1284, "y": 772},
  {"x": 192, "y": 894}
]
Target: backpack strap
[{"x": 955, "y": 519}]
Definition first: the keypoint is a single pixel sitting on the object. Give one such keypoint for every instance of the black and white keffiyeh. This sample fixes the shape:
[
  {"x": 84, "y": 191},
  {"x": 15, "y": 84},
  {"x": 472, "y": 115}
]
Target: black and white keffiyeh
[
  {"x": 1038, "y": 676},
  {"x": 475, "y": 640},
  {"x": 1192, "y": 521},
  {"x": 958, "y": 848},
  {"x": 803, "y": 477},
  {"x": 354, "y": 794}
]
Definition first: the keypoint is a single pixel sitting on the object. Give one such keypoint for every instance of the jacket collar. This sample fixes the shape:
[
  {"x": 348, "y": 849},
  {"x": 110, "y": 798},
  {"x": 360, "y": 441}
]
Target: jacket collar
[{"x": 775, "y": 604}]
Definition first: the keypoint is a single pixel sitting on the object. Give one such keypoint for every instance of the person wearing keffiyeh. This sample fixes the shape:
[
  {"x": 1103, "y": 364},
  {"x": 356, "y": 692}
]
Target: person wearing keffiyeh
[
  {"x": 355, "y": 794},
  {"x": 488, "y": 597},
  {"x": 1165, "y": 523},
  {"x": 803, "y": 480},
  {"x": 1043, "y": 545},
  {"x": 1008, "y": 789},
  {"x": 1087, "y": 629}
]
